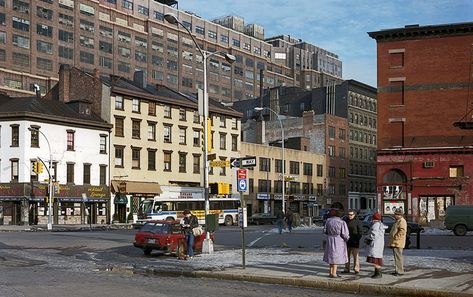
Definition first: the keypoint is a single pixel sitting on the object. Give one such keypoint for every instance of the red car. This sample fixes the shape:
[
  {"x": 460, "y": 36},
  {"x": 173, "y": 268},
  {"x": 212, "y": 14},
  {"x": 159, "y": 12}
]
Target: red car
[{"x": 166, "y": 237}]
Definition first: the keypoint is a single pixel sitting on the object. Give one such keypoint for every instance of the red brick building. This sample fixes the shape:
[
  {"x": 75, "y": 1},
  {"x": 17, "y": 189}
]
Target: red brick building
[{"x": 424, "y": 162}]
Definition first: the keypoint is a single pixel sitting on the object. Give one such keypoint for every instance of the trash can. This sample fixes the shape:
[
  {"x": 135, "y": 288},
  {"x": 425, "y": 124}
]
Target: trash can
[{"x": 211, "y": 222}]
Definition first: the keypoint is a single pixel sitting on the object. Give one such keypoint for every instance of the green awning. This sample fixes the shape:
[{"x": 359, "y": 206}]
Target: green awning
[{"x": 120, "y": 199}]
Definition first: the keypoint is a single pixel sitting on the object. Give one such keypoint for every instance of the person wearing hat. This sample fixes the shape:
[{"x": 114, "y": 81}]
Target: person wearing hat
[
  {"x": 374, "y": 242},
  {"x": 335, "y": 251},
  {"x": 397, "y": 241},
  {"x": 188, "y": 223}
]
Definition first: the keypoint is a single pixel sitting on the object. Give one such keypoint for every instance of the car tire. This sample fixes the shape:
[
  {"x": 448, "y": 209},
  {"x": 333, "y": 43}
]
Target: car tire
[
  {"x": 228, "y": 221},
  {"x": 459, "y": 230},
  {"x": 169, "y": 219},
  {"x": 147, "y": 252}
]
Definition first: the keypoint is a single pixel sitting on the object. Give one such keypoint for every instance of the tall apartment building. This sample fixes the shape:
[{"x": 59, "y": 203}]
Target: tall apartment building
[
  {"x": 424, "y": 162},
  {"x": 338, "y": 121},
  {"x": 121, "y": 37}
]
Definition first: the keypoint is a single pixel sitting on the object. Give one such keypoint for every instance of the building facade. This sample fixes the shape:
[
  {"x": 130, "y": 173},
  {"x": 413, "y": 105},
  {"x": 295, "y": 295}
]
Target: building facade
[
  {"x": 156, "y": 138},
  {"x": 70, "y": 139},
  {"x": 304, "y": 176},
  {"x": 120, "y": 37},
  {"x": 424, "y": 82}
]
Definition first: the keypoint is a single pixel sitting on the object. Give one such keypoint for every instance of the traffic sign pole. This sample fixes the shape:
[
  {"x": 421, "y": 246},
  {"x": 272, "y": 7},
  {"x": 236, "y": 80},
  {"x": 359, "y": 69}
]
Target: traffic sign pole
[{"x": 241, "y": 175}]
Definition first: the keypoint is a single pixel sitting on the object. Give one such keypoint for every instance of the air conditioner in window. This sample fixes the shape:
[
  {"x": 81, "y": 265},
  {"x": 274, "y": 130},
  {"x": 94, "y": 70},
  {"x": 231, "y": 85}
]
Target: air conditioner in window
[{"x": 429, "y": 164}]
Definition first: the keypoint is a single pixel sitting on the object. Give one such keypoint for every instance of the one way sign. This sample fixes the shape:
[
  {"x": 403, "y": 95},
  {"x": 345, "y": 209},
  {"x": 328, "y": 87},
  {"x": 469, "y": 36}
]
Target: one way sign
[{"x": 234, "y": 162}]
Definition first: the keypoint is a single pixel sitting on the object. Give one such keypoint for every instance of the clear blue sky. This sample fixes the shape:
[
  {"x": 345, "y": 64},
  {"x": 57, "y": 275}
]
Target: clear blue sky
[{"x": 339, "y": 26}]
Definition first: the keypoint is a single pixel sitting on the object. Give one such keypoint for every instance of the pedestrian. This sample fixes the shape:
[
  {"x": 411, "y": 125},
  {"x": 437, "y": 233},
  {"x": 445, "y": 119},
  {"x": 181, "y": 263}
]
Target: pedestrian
[
  {"x": 355, "y": 230},
  {"x": 375, "y": 244},
  {"x": 335, "y": 252},
  {"x": 279, "y": 219},
  {"x": 397, "y": 241},
  {"x": 188, "y": 223},
  {"x": 289, "y": 219}
]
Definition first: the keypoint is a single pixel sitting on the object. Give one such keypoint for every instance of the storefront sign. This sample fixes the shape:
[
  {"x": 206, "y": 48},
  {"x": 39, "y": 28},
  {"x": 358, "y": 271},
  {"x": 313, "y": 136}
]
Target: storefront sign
[
  {"x": 277, "y": 196},
  {"x": 299, "y": 197},
  {"x": 262, "y": 196},
  {"x": 393, "y": 192},
  {"x": 312, "y": 198}
]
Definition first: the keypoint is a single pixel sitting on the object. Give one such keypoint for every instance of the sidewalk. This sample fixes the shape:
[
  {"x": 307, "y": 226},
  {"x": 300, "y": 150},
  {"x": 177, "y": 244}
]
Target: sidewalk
[{"x": 432, "y": 273}]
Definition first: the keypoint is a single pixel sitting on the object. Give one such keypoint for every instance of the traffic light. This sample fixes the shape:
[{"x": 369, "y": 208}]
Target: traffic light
[
  {"x": 209, "y": 136},
  {"x": 219, "y": 188},
  {"x": 37, "y": 167}
]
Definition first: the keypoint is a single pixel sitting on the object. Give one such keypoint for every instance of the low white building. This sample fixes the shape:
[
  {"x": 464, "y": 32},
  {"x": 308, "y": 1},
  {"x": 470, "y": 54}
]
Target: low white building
[{"x": 77, "y": 141}]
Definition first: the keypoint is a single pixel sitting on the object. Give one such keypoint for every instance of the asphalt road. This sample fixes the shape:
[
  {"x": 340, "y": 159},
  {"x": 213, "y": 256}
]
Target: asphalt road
[{"x": 53, "y": 264}]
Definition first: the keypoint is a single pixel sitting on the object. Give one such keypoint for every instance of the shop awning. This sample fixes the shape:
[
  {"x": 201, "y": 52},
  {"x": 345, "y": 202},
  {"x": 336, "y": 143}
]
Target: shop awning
[
  {"x": 132, "y": 187},
  {"x": 120, "y": 199}
]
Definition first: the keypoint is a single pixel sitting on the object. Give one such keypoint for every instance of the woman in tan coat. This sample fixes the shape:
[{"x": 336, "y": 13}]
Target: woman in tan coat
[{"x": 397, "y": 241}]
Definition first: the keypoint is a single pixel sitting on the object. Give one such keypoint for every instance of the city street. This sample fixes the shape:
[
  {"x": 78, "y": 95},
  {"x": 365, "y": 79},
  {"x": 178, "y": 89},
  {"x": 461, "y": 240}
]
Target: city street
[{"x": 80, "y": 262}]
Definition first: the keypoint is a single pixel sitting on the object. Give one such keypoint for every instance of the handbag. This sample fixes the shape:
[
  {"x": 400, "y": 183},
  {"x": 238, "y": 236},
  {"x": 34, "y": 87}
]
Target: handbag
[
  {"x": 368, "y": 241},
  {"x": 197, "y": 231}
]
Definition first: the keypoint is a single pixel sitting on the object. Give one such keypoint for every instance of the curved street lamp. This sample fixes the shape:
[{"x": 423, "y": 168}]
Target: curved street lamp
[
  {"x": 171, "y": 18},
  {"x": 50, "y": 183},
  {"x": 282, "y": 154}
]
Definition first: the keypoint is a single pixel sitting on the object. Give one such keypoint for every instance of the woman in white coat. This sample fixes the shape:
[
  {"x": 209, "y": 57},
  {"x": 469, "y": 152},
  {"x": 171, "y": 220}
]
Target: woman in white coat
[{"x": 375, "y": 244}]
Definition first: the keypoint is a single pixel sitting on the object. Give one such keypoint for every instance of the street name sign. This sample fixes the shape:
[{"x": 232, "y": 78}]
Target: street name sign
[
  {"x": 248, "y": 162},
  {"x": 221, "y": 163},
  {"x": 234, "y": 162}
]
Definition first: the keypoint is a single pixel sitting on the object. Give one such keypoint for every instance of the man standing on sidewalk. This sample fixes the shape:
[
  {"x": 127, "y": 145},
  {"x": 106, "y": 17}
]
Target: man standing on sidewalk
[
  {"x": 355, "y": 230},
  {"x": 397, "y": 241}
]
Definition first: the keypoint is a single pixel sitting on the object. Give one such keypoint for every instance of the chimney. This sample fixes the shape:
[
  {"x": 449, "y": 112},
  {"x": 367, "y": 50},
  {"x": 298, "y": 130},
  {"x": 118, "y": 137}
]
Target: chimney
[
  {"x": 64, "y": 83},
  {"x": 308, "y": 120},
  {"x": 140, "y": 79},
  {"x": 260, "y": 132}
]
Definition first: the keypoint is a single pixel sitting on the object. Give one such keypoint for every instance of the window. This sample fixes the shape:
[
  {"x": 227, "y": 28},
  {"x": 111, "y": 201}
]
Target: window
[
  {"x": 34, "y": 138},
  {"x": 151, "y": 159},
  {"x": 320, "y": 170},
  {"x": 293, "y": 167},
  {"x": 331, "y": 171},
  {"x": 196, "y": 138},
  {"x": 66, "y": 36},
  {"x": 341, "y": 134},
  {"x": 167, "y": 161},
  {"x": 331, "y": 150},
  {"x": 86, "y": 57},
  {"x": 196, "y": 163},
  {"x": 65, "y": 52},
  {"x": 44, "y": 64},
  {"x": 135, "y": 105},
  {"x": 135, "y": 158},
  {"x": 167, "y": 133},
  {"x": 44, "y": 30},
  {"x": 106, "y": 47},
  {"x": 19, "y": 60},
  {"x": 456, "y": 171},
  {"x": 199, "y": 30},
  {"x": 151, "y": 131},
  {"x": 103, "y": 175},
  {"x": 106, "y": 32},
  {"x": 119, "y": 102},
  {"x": 103, "y": 144},
  {"x": 341, "y": 173},
  {"x": 86, "y": 9},
  {"x": 119, "y": 156},
  {"x": 86, "y": 174},
  {"x": 119, "y": 126},
  {"x": 70, "y": 172},
  {"x": 87, "y": 26},
  {"x": 21, "y": 41},
  {"x": 278, "y": 165},
  {"x": 182, "y": 162},
  {"x": 135, "y": 129},
  {"x": 143, "y": 10},
  {"x": 234, "y": 142},
  {"x": 308, "y": 169},
  {"x": 152, "y": 108},
  {"x": 167, "y": 111},
  {"x": 331, "y": 132},
  {"x": 70, "y": 140},
  {"x": 223, "y": 141},
  {"x": 182, "y": 135},
  {"x": 265, "y": 164},
  {"x": 106, "y": 62},
  {"x": 236, "y": 42},
  {"x": 396, "y": 58},
  {"x": 14, "y": 170},
  {"x": 21, "y": 24}
]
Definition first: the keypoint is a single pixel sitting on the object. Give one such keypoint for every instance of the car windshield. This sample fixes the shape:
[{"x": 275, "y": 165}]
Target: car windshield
[{"x": 157, "y": 228}]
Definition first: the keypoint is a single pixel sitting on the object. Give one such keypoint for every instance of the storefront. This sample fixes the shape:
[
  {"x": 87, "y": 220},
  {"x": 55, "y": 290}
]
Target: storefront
[
  {"x": 26, "y": 204},
  {"x": 127, "y": 196}
]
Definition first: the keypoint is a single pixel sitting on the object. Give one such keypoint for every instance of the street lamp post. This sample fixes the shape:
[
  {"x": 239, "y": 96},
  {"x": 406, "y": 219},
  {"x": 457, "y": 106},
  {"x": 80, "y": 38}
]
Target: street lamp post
[
  {"x": 50, "y": 182},
  {"x": 207, "y": 246},
  {"x": 282, "y": 154}
]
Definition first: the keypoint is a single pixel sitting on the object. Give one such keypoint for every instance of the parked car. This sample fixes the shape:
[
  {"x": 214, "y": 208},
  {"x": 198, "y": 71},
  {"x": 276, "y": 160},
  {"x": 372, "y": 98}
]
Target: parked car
[
  {"x": 262, "y": 218},
  {"x": 165, "y": 237},
  {"x": 389, "y": 221},
  {"x": 459, "y": 218}
]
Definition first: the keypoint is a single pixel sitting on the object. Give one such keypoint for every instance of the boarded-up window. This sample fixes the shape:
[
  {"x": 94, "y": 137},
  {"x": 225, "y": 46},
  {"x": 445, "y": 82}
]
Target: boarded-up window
[
  {"x": 397, "y": 93},
  {"x": 397, "y": 133},
  {"x": 396, "y": 60}
]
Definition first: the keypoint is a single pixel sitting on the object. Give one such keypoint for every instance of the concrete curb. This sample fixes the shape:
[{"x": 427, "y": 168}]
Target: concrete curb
[{"x": 334, "y": 285}]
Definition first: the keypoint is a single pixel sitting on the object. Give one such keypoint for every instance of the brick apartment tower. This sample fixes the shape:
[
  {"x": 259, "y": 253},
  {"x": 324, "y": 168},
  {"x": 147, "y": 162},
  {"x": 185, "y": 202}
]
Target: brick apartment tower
[{"x": 424, "y": 162}]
